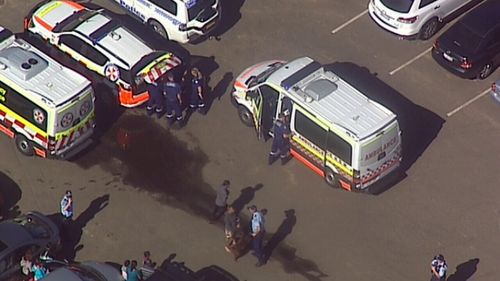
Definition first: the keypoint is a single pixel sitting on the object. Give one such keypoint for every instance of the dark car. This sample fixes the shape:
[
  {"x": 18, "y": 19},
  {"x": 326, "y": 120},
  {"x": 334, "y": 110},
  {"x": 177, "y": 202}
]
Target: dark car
[
  {"x": 84, "y": 271},
  {"x": 471, "y": 47},
  {"x": 177, "y": 271},
  {"x": 32, "y": 232}
]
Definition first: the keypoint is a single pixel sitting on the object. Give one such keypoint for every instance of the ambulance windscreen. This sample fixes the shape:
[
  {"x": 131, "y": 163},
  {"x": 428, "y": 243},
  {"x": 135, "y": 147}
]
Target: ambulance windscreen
[{"x": 22, "y": 63}]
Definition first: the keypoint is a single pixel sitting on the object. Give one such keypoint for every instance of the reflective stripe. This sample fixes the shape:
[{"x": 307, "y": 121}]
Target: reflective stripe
[
  {"x": 43, "y": 23},
  {"x": 129, "y": 100}
]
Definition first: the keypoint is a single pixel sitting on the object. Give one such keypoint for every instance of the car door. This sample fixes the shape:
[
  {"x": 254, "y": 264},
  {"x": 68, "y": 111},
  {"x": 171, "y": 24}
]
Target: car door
[
  {"x": 450, "y": 6},
  {"x": 269, "y": 107}
]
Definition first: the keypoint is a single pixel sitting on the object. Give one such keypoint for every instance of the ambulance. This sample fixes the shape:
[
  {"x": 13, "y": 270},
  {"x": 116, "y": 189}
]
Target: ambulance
[
  {"x": 46, "y": 108},
  {"x": 337, "y": 131}
]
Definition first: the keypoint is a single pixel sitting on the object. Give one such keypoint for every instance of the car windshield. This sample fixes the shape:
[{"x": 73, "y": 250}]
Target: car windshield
[
  {"x": 73, "y": 21},
  {"x": 265, "y": 74},
  {"x": 195, "y": 7},
  {"x": 464, "y": 37},
  {"x": 401, "y": 6},
  {"x": 34, "y": 227}
]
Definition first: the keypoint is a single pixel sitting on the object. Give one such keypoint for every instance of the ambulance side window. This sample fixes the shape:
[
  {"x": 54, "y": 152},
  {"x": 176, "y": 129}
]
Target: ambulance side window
[
  {"x": 24, "y": 107},
  {"x": 72, "y": 42},
  {"x": 167, "y": 5},
  {"x": 310, "y": 130},
  {"x": 339, "y": 147},
  {"x": 93, "y": 54}
]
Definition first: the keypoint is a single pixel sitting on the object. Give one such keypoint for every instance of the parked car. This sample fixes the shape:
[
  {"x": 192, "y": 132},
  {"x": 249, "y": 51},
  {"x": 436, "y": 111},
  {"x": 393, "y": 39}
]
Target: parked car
[
  {"x": 100, "y": 42},
  {"x": 471, "y": 47},
  {"x": 179, "y": 20},
  {"x": 84, "y": 271},
  {"x": 495, "y": 91},
  {"x": 413, "y": 18},
  {"x": 32, "y": 231},
  {"x": 177, "y": 271}
]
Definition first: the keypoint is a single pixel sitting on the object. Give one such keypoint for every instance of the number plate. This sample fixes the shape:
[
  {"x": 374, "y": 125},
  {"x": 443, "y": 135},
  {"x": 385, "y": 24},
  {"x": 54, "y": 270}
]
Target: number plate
[{"x": 447, "y": 57}]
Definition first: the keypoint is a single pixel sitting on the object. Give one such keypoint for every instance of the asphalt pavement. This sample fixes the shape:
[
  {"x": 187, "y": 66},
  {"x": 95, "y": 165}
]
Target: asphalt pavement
[{"x": 158, "y": 191}]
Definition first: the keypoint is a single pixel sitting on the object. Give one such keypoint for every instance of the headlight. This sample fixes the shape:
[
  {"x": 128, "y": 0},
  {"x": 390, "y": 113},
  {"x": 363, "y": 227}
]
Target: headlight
[{"x": 67, "y": 120}]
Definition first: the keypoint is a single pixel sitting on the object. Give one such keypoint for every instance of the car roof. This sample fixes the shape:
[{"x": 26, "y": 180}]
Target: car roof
[
  {"x": 56, "y": 11},
  {"x": 62, "y": 274},
  {"x": 483, "y": 18},
  {"x": 13, "y": 234},
  {"x": 344, "y": 106}
]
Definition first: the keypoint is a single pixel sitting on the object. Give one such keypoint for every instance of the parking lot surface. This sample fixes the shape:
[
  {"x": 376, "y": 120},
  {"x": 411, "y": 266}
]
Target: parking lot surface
[{"x": 161, "y": 188}]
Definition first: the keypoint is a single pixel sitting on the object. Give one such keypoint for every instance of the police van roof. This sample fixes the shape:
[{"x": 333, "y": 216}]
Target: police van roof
[
  {"x": 333, "y": 99},
  {"x": 30, "y": 69},
  {"x": 111, "y": 35}
]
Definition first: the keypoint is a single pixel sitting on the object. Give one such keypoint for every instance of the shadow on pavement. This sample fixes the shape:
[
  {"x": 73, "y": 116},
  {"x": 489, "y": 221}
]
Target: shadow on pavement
[
  {"x": 419, "y": 125},
  {"x": 10, "y": 194},
  {"x": 465, "y": 270},
  {"x": 72, "y": 232},
  {"x": 247, "y": 194},
  {"x": 230, "y": 15},
  {"x": 283, "y": 231}
]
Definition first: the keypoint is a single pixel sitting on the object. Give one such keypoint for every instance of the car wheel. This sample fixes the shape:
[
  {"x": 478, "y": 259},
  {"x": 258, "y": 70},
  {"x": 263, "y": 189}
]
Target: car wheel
[
  {"x": 245, "y": 116},
  {"x": 331, "y": 178},
  {"x": 485, "y": 71},
  {"x": 158, "y": 28},
  {"x": 429, "y": 29},
  {"x": 24, "y": 145}
]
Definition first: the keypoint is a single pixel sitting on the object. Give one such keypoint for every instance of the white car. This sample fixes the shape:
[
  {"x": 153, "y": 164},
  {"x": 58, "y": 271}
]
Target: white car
[
  {"x": 413, "y": 18},
  {"x": 103, "y": 45},
  {"x": 178, "y": 20}
]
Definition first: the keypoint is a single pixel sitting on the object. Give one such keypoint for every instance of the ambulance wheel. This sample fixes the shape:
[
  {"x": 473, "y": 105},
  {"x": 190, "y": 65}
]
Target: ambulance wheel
[
  {"x": 246, "y": 116},
  {"x": 158, "y": 28},
  {"x": 24, "y": 145},
  {"x": 331, "y": 178}
]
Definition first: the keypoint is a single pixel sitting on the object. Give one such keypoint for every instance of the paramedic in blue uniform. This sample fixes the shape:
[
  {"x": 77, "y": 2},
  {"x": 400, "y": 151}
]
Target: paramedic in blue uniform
[
  {"x": 172, "y": 92},
  {"x": 281, "y": 143},
  {"x": 196, "y": 99},
  {"x": 155, "y": 101}
]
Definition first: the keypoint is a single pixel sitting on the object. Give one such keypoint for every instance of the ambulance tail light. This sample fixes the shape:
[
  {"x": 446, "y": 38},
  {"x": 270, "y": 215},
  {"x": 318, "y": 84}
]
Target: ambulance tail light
[
  {"x": 126, "y": 87},
  {"x": 183, "y": 27},
  {"x": 52, "y": 144}
]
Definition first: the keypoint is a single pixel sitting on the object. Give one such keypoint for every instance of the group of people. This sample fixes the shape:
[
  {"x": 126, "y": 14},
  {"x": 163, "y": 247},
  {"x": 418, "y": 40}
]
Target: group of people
[
  {"x": 166, "y": 95},
  {"x": 32, "y": 267},
  {"x": 238, "y": 238},
  {"x": 131, "y": 272}
]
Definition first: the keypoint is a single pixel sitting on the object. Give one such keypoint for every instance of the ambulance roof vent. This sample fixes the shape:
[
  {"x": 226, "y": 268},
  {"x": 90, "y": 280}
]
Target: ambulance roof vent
[
  {"x": 22, "y": 63},
  {"x": 320, "y": 88}
]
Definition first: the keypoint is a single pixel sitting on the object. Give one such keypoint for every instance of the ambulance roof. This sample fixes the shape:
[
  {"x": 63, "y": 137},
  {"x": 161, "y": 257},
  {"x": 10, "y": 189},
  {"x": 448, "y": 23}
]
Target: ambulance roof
[
  {"x": 333, "y": 99},
  {"x": 34, "y": 71},
  {"x": 115, "y": 38}
]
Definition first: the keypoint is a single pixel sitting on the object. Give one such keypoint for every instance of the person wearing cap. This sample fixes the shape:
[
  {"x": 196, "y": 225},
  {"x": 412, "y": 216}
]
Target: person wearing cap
[
  {"x": 258, "y": 231},
  {"x": 438, "y": 268},
  {"x": 155, "y": 102},
  {"x": 67, "y": 206},
  {"x": 197, "y": 95},
  {"x": 281, "y": 141},
  {"x": 172, "y": 92}
]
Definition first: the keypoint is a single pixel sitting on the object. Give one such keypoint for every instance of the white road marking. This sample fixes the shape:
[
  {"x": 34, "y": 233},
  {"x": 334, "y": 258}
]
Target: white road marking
[
  {"x": 349, "y": 21},
  {"x": 449, "y": 114},
  {"x": 410, "y": 61}
]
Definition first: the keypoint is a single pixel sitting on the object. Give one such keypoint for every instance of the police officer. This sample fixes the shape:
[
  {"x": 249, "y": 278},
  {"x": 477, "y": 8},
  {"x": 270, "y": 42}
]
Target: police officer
[
  {"x": 155, "y": 101},
  {"x": 281, "y": 142},
  {"x": 197, "y": 96},
  {"x": 172, "y": 92},
  {"x": 438, "y": 268}
]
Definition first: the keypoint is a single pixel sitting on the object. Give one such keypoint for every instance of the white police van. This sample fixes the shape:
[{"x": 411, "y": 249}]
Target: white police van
[{"x": 178, "y": 20}]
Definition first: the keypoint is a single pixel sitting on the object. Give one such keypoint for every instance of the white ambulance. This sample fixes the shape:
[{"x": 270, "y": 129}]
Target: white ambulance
[
  {"x": 337, "y": 131},
  {"x": 46, "y": 108}
]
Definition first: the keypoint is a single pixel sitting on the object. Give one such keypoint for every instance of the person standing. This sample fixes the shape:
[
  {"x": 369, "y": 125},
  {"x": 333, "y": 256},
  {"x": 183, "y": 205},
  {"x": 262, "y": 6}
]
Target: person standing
[
  {"x": 39, "y": 271},
  {"x": 66, "y": 213},
  {"x": 231, "y": 222},
  {"x": 155, "y": 102},
  {"x": 124, "y": 269},
  {"x": 438, "y": 268},
  {"x": 281, "y": 141},
  {"x": 258, "y": 231},
  {"x": 222, "y": 194},
  {"x": 197, "y": 98},
  {"x": 172, "y": 92},
  {"x": 132, "y": 273}
]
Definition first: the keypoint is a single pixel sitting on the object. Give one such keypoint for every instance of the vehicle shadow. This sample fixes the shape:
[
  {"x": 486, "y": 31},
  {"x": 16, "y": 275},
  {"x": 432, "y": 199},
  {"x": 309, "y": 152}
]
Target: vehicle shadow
[
  {"x": 169, "y": 267},
  {"x": 72, "y": 232},
  {"x": 465, "y": 270},
  {"x": 10, "y": 194},
  {"x": 419, "y": 126},
  {"x": 230, "y": 15}
]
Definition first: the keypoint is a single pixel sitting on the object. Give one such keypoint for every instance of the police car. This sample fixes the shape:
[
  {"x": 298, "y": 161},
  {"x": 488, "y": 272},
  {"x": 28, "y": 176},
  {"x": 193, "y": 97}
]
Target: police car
[
  {"x": 47, "y": 109},
  {"x": 337, "y": 131},
  {"x": 178, "y": 20},
  {"x": 102, "y": 44}
]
